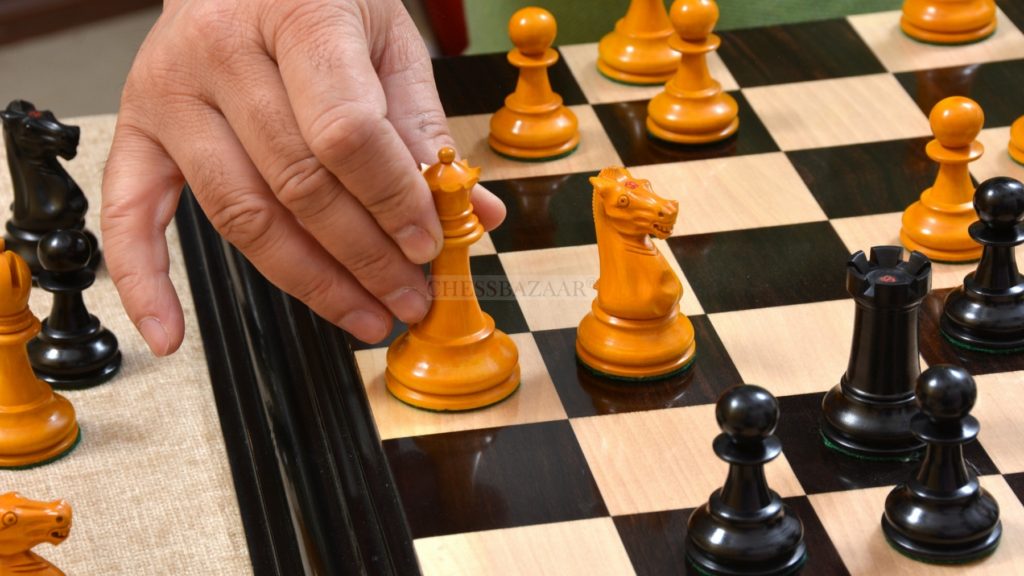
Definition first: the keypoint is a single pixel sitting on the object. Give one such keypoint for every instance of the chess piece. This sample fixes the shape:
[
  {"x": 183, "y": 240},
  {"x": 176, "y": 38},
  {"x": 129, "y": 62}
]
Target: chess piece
[
  {"x": 745, "y": 528},
  {"x": 25, "y": 524},
  {"x": 868, "y": 413},
  {"x": 942, "y": 514},
  {"x": 533, "y": 124},
  {"x": 637, "y": 50},
  {"x": 46, "y": 198},
  {"x": 937, "y": 223},
  {"x": 1017, "y": 140},
  {"x": 949, "y": 21},
  {"x": 36, "y": 425},
  {"x": 986, "y": 312},
  {"x": 454, "y": 359},
  {"x": 635, "y": 329},
  {"x": 72, "y": 350},
  {"x": 693, "y": 109}
]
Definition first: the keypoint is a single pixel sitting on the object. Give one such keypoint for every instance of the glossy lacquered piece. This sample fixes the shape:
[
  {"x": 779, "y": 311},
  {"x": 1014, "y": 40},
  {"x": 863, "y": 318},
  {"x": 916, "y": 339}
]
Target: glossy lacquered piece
[
  {"x": 46, "y": 198},
  {"x": 986, "y": 313},
  {"x": 637, "y": 50},
  {"x": 693, "y": 109},
  {"x": 1016, "y": 147},
  {"x": 25, "y": 524},
  {"x": 949, "y": 21},
  {"x": 869, "y": 412},
  {"x": 745, "y": 528},
  {"x": 36, "y": 425},
  {"x": 635, "y": 329},
  {"x": 943, "y": 514},
  {"x": 454, "y": 359},
  {"x": 72, "y": 350},
  {"x": 534, "y": 124},
  {"x": 937, "y": 223}
]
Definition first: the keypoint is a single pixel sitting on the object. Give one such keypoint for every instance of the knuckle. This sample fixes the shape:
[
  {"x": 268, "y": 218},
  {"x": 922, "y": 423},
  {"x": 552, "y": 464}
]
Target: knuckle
[
  {"x": 303, "y": 187},
  {"x": 387, "y": 204},
  {"x": 315, "y": 290},
  {"x": 243, "y": 222},
  {"x": 343, "y": 131},
  {"x": 369, "y": 266}
]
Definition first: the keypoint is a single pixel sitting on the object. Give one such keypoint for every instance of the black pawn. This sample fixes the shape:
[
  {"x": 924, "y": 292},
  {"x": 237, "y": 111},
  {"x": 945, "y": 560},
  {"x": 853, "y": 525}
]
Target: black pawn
[
  {"x": 986, "y": 313},
  {"x": 72, "y": 350},
  {"x": 868, "y": 414},
  {"x": 745, "y": 528},
  {"x": 942, "y": 514}
]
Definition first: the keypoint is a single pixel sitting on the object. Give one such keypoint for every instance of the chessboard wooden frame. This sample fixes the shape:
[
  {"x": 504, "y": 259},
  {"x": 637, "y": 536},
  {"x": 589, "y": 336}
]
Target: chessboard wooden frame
[{"x": 301, "y": 439}]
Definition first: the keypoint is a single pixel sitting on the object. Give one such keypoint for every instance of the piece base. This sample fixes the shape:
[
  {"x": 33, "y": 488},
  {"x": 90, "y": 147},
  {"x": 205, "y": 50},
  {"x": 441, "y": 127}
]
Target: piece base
[
  {"x": 1016, "y": 154},
  {"x": 656, "y": 131},
  {"x": 706, "y": 566},
  {"x": 939, "y": 255},
  {"x": 638, "y": 379},
  {"x": 453, "y": 402},
  {"x": 947, "y": 38},
  {"x": 846, "y": 448},
  {"x": 631, "y": 78},
  {"x": 944, "y": 553},
  {"x": 43, "y": 457},
  {"x": 94, "y": 378},
  {"x": 975, "y": 344},
  {"x": 504, "y": 154}
]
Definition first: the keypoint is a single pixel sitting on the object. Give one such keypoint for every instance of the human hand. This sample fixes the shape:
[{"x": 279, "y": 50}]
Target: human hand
[{"x": 299, "y": 125}]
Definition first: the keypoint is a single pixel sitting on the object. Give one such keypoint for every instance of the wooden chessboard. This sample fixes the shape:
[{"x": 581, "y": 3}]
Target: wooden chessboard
[{"x": 579, "y": 475}]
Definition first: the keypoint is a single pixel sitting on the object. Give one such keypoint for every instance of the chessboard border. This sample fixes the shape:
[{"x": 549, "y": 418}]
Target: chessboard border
[{"x": 313, "y": 484}]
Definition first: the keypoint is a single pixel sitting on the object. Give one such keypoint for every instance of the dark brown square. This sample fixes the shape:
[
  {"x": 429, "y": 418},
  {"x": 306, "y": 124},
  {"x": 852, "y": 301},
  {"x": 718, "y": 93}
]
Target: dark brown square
[
  {"x": 545, "y": 212},
  {"x": 995, "y": 86},
  {"x": 937, "y": 349}
]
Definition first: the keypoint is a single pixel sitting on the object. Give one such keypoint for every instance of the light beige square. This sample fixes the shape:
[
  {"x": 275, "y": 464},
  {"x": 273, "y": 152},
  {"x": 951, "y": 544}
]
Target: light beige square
[
  {"x": 595, "y": 150},
  {"x": 555, "y": 287},
  {"x": 898, "y": 53},
  {"x": 483, "y": 247},
  {"x": 535, "y": 401},
  {"x": 151, "y": 437},
  {"x": 797, "y": 349},
  {"x": 1000, "y": 398},
  {"x": 837, "y": 112},
  {"x": 996, "y": 161},
  {"x": 662, "y": 460},
  {"x": 582, "y": 60},
  {"x": 863, "y": 232},
  {"x": 853, "y": 521},
  {"x": 734, "y": 193},
  {"x": 583, "y": 548}
]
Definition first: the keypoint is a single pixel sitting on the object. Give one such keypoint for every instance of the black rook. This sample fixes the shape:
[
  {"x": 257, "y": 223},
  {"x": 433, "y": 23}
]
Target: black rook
[{"x": 868, "y": 413}]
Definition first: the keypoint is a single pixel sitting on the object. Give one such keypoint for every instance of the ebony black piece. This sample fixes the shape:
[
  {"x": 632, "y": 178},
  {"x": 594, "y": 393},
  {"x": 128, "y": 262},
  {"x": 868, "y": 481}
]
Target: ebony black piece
[
  {"x": 72, "y": 350},
  {"x": 745, "y": 528},
  {"x": 942, "y": 514},
  {"x": 868, "y": 413},
  {"x": 986, "y": 313},
  {"x": 46, "y": 198}
]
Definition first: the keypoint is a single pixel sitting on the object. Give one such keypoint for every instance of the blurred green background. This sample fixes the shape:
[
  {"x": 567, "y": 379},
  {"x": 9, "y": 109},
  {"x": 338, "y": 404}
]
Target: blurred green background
[{"x": 588, "y": 20}]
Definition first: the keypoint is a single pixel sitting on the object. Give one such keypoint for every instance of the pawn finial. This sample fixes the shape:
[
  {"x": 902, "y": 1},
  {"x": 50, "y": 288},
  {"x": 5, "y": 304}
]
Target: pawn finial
[
  {"x": 64, "y": 251},
  {"x": 945, "y": 393},
  {"x": 956, "y": 121},
  {"x": 999, "y": 201},
  {"x": 694, "y": 19},
  {"x": 446, "y": 155},
  {"x": 532, "y": 30},
  {"x": 747, "y": 413}
]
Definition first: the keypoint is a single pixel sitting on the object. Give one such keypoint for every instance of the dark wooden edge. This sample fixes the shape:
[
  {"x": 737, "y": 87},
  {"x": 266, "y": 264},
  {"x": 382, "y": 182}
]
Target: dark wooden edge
[
  {"x": 21, "y": 19},
  {"x": 313, "y": 485}
]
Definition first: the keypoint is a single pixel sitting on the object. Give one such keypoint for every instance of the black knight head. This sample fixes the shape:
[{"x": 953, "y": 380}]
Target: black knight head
[{"x": 37, "y": 132}]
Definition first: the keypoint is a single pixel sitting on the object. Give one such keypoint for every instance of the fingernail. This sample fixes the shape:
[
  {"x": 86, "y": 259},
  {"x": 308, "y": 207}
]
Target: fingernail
[
  {"x": 409, "y": 304},
  {"x": 154, "y": 334},
  {"x": 366, "y": 326},
  {"x": 418, "y": 245}
]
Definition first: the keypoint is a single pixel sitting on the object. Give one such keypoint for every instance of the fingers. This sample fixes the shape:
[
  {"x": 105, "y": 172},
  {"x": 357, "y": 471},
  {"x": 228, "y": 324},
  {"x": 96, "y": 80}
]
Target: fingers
[
  {"x": 258, "y": 111},
  {"x": 141, "y": 186},
  {"x": 342, "y": 114},
  {"x": 244, "y": 210}
]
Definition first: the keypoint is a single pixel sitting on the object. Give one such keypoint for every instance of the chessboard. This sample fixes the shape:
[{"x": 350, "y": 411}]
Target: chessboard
[
  {"x": 577, "y": 474},
  {"x": 270, "y": 440}
]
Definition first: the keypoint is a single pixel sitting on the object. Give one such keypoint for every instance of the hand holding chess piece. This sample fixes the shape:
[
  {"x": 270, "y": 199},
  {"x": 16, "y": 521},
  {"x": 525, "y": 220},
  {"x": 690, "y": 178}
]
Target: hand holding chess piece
[{"x": 25, "y": 524}]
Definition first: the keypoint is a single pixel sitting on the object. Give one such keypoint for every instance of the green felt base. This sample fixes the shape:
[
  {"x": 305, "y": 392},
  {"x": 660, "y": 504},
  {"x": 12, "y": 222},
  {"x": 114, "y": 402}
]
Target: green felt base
[
  {"x": 484, "y": 407},
  {"x": 866, "y": 457},
  {"x": 972, "y": 348},
  {"x": 536, "y": 160},
  {"x": 636, "y": 380},
  {"x": 70, "y": 449},
  {"x": 795, "y": 568}
]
